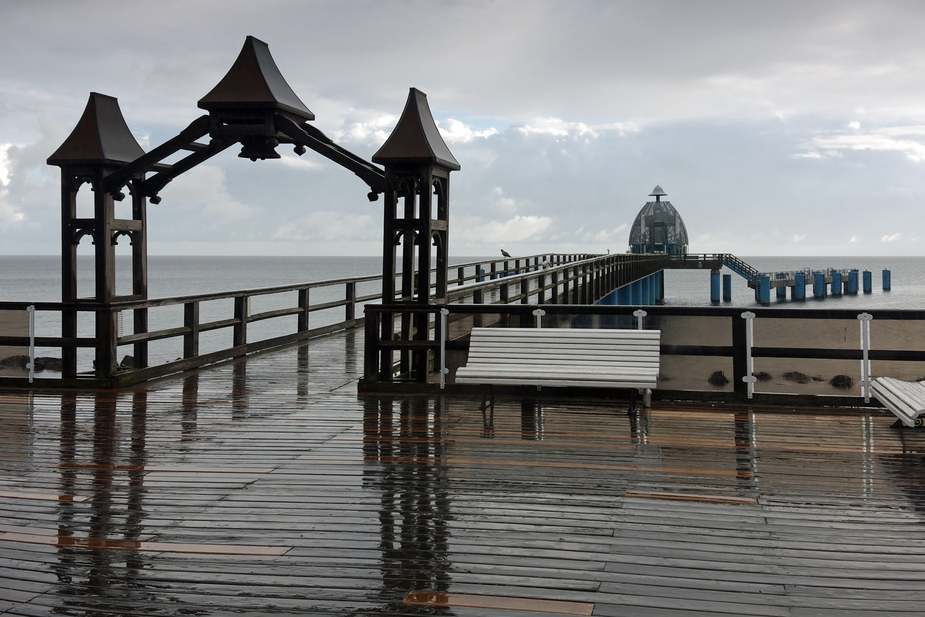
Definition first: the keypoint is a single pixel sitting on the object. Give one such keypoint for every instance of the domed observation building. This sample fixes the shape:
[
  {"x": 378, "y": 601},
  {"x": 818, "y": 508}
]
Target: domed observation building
[{"x": 658, "y": 228}]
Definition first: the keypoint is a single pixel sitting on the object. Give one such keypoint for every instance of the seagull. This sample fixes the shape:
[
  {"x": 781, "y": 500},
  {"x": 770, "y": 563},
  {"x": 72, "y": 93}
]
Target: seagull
[{"x": 505, "y": 253}]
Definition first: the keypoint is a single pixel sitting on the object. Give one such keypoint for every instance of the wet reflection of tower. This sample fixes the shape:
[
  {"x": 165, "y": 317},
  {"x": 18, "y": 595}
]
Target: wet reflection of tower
[
  {"x": 746, "y": 463},
  {"x": 405, "y": 456}
]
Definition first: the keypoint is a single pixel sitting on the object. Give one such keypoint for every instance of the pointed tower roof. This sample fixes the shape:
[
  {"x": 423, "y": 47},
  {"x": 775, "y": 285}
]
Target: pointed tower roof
[
  {"x": 101, "y": 137},
  {"x": 254, "y": 82},
  {"x": 657, "y": 192},
  {"x": 415, "y": 138}
]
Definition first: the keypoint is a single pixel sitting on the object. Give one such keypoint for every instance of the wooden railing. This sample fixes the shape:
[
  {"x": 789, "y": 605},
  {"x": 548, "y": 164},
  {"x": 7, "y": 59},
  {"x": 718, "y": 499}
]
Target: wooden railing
[{"x": 308, "y": 299}]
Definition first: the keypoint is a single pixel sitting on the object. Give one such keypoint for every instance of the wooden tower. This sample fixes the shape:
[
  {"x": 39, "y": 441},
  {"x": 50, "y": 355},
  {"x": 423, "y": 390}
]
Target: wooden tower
[
  {"x": 100, "y": 144},
  {"x": 416, "y": 203}
]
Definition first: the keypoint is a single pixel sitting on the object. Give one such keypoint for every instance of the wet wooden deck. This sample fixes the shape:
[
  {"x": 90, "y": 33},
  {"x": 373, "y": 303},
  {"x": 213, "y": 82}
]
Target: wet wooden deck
[{"x": 269, "y": 488}]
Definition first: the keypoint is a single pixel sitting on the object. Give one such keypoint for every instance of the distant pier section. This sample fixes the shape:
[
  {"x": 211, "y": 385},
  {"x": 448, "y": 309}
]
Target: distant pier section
[{"x": 823, "y": 283}]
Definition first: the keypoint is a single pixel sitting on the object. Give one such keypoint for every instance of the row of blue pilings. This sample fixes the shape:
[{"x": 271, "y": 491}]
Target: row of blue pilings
[
  {"x": 646, "y": 291},
  {"x": 841, "y": 283}
]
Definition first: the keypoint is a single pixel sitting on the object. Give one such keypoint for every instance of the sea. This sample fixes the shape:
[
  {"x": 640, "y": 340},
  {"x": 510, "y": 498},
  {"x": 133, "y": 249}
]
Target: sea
[{"x": 38, "y": 279}]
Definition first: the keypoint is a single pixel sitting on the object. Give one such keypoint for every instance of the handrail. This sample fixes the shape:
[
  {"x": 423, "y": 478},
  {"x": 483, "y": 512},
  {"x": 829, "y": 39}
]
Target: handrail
[{"x": 501, "y": 273}]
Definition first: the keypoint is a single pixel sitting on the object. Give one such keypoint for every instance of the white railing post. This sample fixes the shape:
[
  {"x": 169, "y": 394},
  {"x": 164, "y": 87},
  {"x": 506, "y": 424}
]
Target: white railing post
[
  {"x": 749, "y": 377},
  {"x": 865, "y": 319},
  {"x": 31, "y": 366},
  {"x": 538, "y": 313},
  {"x": 443, "y": 369},
  {"x": 639, "y": 314}
]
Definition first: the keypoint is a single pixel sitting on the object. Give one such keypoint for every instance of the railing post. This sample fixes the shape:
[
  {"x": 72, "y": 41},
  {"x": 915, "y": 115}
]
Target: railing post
[
  {"x": 554, "y": 297},
  {"x": 749, "y": 378},
  {"x": 191, "y": 321},
  {"x": 241, "y": 306},
  {"x": 739, "y": 358},
  {"x": 140, "y": 349},
  {"x": 541, "y": 289},
  {"x": 444, "y": 313},
  {"x": 106, "y": 361},
  {"x": 371, "y": 345},
  {"x": 525, "y": 290},
  {"x": 462, "y": 274},
  {"x": 494, "y": 271},
  {"x": 865, "y": 319},
  {"x": 304, "y": 305},
  {"x": 350, "y": 311},
  {"x": 31, "y": 366},
  {"x": 477, "y": 298}
]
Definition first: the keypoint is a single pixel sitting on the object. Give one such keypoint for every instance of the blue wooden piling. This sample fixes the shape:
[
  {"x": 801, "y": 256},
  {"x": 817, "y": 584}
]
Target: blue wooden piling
[
  {"x": 782, "y": 290},
  {"x": 818, "y": 285},
  {"x": 727, "y": 288},
  {"x": 868, "y": 285},
  {"x": 625, "y": 295},
  {"x": 660, "y": 288},
  {"x": 714, "y": 287},
  {"x": 836, "y": 283},
  {"x": 637, "y": 293},
  {"x": 644, "y": 292},
  {"x": 852, "y": 286},
  {"x": 764, "y": 286},
  {"x": 886, "y": 280},
  {"x": 799, "y": 287}
]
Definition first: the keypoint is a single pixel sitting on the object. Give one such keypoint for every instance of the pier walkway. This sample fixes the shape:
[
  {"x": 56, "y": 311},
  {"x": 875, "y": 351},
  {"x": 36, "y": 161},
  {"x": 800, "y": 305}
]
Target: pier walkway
[{"x": 268, "y": 487}]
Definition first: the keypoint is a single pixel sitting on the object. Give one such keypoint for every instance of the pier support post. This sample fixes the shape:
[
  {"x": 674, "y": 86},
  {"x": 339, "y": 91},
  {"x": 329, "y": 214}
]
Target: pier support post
[
  {"x": 625, "y": 295},
  {"x": 836, "y": 283},
  {"x": 727, "y": 288},
  {"x": 818, "y": 285},
  {"x": 799, "y": 287},
  {"x": 886, "y": 280},
  {"x": 868, "y": 283},
  {"x": 764, "y": 287},
  {"x": 782, "y": 289},
  {"x": 714, "y": 286},
  {"x": 644, "y": 291},
  {"x": 637, "y": 293},
  {"x": 660, "y": 295},
  {"x": 852, "y": 283}
]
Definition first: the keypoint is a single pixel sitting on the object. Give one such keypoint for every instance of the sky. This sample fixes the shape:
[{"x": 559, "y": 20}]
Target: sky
[{"x": 775, "y": 128}]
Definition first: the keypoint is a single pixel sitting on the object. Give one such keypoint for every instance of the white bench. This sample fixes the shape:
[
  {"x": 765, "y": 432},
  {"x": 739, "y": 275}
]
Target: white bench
[
  {"x": 906, "y": 399},
  {"x": 626, "y": 359}
]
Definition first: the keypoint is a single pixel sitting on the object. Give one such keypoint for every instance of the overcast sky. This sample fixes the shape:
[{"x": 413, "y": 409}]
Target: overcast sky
[{"x": 776, "y": 128}]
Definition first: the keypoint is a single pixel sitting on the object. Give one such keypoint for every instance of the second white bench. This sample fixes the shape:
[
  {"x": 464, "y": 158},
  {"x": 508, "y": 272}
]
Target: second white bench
[{"x": 906, "y": 399}]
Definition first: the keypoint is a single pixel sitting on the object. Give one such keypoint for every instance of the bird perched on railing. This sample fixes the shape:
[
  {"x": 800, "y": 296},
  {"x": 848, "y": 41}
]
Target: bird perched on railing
[{"x": 505, "y": 253}]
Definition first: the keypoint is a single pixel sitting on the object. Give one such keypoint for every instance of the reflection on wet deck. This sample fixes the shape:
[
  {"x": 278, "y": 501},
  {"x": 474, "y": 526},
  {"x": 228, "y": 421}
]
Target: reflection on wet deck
[{"x": 269, "y": 488}]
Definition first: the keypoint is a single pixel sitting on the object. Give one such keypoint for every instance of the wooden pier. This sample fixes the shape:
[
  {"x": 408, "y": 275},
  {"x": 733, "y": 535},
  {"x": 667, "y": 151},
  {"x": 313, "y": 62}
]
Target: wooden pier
[{"x": 268, "y": 487}]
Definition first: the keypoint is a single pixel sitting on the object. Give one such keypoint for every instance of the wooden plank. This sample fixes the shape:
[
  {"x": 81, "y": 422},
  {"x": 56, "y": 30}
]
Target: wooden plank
[{"x": 432, "y": 598}]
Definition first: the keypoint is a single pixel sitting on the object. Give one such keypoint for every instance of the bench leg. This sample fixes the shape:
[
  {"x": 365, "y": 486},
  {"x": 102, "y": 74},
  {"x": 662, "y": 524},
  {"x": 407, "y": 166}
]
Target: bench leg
[
  {"x": 488, "y": 400},
  {"x": 632, "y": 403},
  {"x": 646, "y": 398}
]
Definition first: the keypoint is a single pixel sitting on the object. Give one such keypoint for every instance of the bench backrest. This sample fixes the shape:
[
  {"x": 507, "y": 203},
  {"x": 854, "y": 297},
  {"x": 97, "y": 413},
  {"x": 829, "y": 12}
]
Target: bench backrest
[{"x": 578, "y": 347}]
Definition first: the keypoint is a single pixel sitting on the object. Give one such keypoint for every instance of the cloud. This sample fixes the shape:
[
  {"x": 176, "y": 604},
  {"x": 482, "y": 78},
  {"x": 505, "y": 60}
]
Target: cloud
[
  {"x": 908, "y": 140},
  {"x": 329, "y": 226},
  {"x": 203, "y": 189},
  {"x": 517, "y": 229},
  {"x": 455, "y": 132},
  {"x": 606, "y": 235},
  {"x": 798, "y": 238},
  {"x": 300, "y": 163},
  {"x": 853, "y": 239},
  {"x": 892, "y": 238}
]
